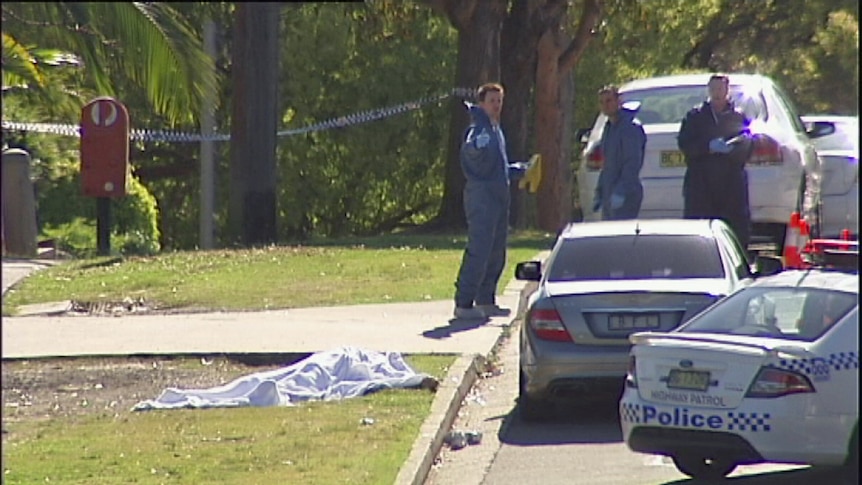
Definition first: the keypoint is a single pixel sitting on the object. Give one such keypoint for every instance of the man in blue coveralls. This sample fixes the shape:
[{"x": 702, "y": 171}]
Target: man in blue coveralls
[
  {"x": 716, "y": 141},
  {"x": 619, "y": 192},
  {"x": 486, "y": 205}
]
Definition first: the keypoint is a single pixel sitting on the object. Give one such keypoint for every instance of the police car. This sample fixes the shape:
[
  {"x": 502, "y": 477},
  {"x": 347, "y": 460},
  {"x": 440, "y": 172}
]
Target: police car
[{"x": 769, "y": 374}]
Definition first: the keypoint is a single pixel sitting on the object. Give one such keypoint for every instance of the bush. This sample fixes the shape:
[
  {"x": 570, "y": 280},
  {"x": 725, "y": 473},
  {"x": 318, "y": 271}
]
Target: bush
[{"x": 69, "y": 218}]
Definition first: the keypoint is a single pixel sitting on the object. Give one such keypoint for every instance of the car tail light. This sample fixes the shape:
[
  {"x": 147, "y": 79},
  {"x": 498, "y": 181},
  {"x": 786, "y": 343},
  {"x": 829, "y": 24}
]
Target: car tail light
[
  {"x": 772, "y": 382},
  {"x": 632, "y": 375},
  {"x": 766, "y": 151},
  {"x": 548, "y": 325},
  {"x": 595, "y": 158}
]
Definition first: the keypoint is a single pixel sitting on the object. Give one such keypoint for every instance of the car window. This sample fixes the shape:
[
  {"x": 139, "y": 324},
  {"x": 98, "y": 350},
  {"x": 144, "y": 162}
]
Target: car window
[
  {"x": 670, "y": 104},
  {"x": 737, "y": 256},
  {"x": 790, "y": 108},
  {"x": 630, "y": 257},
  {"x": 665, "y": 104},
  {"x": 789, "y": 313},
  {"x": 750, "y": 102}
]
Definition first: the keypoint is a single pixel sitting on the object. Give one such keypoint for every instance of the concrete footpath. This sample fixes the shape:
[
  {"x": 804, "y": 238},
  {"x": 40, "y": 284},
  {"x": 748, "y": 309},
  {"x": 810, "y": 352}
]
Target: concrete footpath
[{"x": 422, "y": 327}]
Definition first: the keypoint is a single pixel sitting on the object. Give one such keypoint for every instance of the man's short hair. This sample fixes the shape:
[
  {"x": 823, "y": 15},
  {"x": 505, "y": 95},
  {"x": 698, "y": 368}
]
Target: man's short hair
[
  {"x": 610, "y": 88},
  {"x": 488, "y": 88},
  {"x": 719, "y": 77}
]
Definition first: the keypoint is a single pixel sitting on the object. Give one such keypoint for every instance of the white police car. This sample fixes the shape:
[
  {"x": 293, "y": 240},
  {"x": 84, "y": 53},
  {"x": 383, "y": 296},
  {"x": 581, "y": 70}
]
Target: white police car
[{"x": 769, "y": 374}]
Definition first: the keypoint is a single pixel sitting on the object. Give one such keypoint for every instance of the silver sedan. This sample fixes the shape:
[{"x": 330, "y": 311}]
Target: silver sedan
[{"x": 606, "y": 280}]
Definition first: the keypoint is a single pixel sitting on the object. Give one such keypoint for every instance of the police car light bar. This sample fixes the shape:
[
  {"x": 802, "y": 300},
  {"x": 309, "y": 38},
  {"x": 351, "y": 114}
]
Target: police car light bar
[{"x": 838, "y": 254}]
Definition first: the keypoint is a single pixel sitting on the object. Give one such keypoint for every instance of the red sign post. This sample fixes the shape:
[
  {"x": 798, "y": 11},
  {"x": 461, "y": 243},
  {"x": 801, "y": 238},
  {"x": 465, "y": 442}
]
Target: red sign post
[
  {"x": 104, "y": 148},
  {"x": 104, "y": 160}
]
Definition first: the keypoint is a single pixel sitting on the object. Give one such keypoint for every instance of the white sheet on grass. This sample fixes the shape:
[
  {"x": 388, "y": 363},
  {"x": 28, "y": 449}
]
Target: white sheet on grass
[{"x": 337, "y": 374}]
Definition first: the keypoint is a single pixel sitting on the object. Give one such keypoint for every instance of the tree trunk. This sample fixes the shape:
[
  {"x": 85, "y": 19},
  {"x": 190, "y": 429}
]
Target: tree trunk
[
  {"x": 252, "y": 208},
  {"x": 549, "y": 123},
  {"x": 557, "y": 56},
  {"x": 478, "y": 62},
  {"x": 518, "y": 43}
]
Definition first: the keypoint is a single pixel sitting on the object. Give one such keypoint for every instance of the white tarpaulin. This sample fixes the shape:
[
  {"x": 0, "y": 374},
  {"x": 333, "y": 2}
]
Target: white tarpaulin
[{"x": 337, "y": 374}]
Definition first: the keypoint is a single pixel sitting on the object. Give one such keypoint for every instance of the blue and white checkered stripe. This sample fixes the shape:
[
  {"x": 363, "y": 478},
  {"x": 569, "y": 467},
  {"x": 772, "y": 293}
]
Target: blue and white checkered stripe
[
  {"x": 731, "y": 420},
  {"x": 630, "y": 412},
  {"x": 837, "y": 361},
  {"x": 753, "y": 422},
  {"x": 175, "y": 136}
]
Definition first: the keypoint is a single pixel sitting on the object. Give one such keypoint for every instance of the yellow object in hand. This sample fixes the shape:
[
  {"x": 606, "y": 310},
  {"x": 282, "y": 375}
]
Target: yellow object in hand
[{"x": 533, "y": 175}]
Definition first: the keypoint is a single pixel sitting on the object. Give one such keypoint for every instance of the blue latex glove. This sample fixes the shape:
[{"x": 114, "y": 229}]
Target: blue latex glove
[
  {"x": 718, "y": 145},
  {"x": 617, "y": 201}
]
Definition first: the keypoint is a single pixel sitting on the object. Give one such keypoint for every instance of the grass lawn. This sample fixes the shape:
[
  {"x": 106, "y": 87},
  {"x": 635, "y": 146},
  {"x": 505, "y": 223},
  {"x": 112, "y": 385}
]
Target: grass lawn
[
  {"x": 355, "y": 271},
  {"x": 314, "y": 443}
]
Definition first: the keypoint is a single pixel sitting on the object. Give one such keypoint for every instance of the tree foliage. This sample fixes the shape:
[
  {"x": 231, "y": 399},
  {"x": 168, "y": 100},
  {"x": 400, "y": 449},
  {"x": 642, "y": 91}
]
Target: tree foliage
[
  {"x": 148, "y": 42},
  {"x": 370, "y": 177},
  {"x": 342, "y": 58}
]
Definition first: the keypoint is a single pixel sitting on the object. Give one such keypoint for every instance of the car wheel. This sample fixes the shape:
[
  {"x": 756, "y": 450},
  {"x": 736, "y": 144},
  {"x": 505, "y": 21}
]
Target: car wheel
[
  {"x": 530, "y": 409},
  {"x": 702, "y": 468}
]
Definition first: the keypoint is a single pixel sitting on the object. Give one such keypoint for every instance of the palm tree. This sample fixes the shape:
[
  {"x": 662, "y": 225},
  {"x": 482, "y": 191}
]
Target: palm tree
[{"x": 149, "y": 43}]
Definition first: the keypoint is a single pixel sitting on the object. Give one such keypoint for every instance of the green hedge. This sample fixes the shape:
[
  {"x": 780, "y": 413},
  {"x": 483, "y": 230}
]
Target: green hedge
[{"x": 69, "y": 218}]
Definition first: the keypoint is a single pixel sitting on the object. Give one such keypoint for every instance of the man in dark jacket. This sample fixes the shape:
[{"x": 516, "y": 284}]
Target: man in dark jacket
[
  {"x": 486, "y": 205},
  {"x": 619, "y": 192},
  {"x": 716, "y": 142}
]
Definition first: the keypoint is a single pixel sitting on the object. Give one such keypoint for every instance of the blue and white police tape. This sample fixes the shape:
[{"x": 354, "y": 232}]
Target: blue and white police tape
[{"x": 146, "y": 135}]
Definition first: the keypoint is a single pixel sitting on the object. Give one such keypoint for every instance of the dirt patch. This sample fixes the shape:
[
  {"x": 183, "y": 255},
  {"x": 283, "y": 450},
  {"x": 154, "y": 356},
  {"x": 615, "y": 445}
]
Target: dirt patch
[{"x": 39, "y": 389}]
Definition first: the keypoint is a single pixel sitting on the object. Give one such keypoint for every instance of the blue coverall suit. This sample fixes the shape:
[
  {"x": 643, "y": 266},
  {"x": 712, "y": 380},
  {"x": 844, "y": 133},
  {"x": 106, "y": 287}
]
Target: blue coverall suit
[
  {"x": 486, "y": 205},
  {"x": 622, "y": 144},
  {"x": 716, "y": 184}
]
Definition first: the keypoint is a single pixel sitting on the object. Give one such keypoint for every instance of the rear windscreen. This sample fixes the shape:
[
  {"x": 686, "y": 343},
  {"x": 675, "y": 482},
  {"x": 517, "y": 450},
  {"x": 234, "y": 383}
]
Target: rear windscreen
[
  {"x": 789, "y": 313},
  {"x": 631, "y": 257},
  {"x": 670, "y": 104}
]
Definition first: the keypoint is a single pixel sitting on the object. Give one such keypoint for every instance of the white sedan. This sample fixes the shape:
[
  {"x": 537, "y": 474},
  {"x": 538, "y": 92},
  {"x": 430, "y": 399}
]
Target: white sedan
[
  {"x": 840, "y": 187},
  {"x": 783, "y": 172},
  {"x": 769, "y": 374}
]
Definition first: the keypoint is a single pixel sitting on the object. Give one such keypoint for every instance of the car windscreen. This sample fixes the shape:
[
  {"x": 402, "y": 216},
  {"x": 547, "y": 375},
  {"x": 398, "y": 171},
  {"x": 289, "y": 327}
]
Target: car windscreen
[
  {"x": 788, "y": 313},
  {"x": 669, "y": 104},
  {"x": 633, "y": 257}
]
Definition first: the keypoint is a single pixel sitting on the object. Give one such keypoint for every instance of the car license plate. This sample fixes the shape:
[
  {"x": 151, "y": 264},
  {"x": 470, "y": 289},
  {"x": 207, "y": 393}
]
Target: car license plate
[
  {"x": 644, "y": 321},
  {"x": 688, "y": 379},
  {"x": 672, "y": 159}
]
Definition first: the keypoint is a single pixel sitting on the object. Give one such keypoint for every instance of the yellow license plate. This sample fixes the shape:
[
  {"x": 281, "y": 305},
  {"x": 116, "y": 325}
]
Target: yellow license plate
[
  {"x": 672, "y": 159},
  {"x": 688, "y": 379}
]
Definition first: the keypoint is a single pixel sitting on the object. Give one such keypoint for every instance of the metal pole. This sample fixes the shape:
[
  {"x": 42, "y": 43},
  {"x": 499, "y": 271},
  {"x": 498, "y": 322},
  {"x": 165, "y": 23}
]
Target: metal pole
[
  {"x": 207, "y": 166},
  {"x": 103, "y": 225}
]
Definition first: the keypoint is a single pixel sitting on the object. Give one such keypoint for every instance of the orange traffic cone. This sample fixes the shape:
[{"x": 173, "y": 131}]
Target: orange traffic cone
[
  {"x": 792, "y": 257},
  {"x": 804, "y": 243}
]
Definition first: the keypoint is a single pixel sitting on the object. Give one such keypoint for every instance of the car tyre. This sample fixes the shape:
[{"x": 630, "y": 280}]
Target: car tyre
[
  {"x": 530, "y": 409},
  {"x": 703, "y": 468}
]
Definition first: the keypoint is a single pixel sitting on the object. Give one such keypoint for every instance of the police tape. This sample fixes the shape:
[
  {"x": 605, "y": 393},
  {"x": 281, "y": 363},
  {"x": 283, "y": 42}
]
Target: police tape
[{"x": 146, "y": 135}]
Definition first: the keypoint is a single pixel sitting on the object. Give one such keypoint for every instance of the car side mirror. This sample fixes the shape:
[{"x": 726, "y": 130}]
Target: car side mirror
[
  {"x": 529, "y": 271},
  {"x": 820, "y": 128},
  {"x": 767, "y": 265}
]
